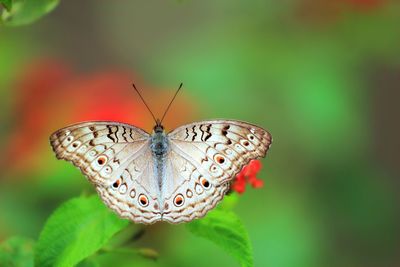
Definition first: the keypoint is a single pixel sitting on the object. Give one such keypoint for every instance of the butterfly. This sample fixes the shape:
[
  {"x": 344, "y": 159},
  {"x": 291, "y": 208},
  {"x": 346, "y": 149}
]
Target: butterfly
[{"x": 175, "y": 177}]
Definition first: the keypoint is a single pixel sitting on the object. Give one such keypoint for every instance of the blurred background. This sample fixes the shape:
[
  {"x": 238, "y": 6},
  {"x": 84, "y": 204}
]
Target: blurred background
[{"x": 322, "y": 76}]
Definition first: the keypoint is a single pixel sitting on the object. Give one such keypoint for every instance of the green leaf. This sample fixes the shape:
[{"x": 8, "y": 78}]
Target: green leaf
[
  {"x": 230, "y": 201},
  {"x": 23, "y": 12},
  {"x": 88, "y": 263},
  {"x": 7, "y": 4},
  {"x": 75, "y": 231},
  {"x": 17, "y": 251},
  {"x": 226, "y": 230},
  {"x": 147, "y": 253}
]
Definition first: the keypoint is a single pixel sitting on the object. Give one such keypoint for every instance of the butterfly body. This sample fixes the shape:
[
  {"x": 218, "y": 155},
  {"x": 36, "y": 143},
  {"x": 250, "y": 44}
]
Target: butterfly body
[
  {"x": 159, "y": 147},
  {"x": 175, "y": 177}
]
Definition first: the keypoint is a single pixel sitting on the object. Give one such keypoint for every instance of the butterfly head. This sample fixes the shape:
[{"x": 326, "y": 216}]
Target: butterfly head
[{"x": 158, "y": 128}]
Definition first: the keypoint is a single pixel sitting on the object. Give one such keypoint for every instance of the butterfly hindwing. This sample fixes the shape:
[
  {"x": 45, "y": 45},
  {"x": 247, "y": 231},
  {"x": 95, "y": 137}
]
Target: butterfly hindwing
[
  {"x": 185, "y": 194},
  {"x": 116, "y": 158},
  {"x": 135, "y": 195}
]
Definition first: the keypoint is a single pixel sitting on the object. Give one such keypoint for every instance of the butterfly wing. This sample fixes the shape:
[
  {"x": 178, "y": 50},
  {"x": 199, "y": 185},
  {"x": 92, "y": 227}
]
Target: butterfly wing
[
  {"x": 116, "y": 158},
  {"x": 203, "y": 159}
]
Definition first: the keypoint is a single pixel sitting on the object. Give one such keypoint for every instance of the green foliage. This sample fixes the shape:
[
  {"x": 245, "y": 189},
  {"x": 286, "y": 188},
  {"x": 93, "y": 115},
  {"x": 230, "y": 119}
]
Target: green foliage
[
  {"x": 224, "y": 228},
  {"x": 22, "y": 12},
  {"x": 17, "y": 251},
  {"x": 83, "y": 226},
  {"x": 76, "y": 230},
  {"x": 230, "y": 201},
  {"x": 88, "y": 263},
  {"x": 7, "y": 4}
]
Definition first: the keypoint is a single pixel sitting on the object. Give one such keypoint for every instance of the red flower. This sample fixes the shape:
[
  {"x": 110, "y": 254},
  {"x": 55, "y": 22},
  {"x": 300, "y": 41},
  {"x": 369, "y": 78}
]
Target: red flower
[
  {"x": 365, "y": 5},
  {"x": 326, "y": 11},
  {"x": 248, "y": 175},
  {"x": 51, "y": 95}
]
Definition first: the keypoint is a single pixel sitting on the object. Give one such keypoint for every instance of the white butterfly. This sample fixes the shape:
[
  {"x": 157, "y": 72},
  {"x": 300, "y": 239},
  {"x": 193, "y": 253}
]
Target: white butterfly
[{"x": 174, "y": 177}]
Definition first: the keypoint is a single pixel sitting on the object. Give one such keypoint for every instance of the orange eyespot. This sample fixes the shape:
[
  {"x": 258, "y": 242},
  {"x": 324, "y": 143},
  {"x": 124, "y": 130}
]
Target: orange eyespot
[
  {"x": 246, "y": 143},
  {"x": 101, "y": 160},
  {"x": 220, "y": 159},
  {"x": 178, "y": 200},
  {"x": 117, "y": 183},
  {"x": 205, "y": 183},
  {"x": 143, "y": 200}
]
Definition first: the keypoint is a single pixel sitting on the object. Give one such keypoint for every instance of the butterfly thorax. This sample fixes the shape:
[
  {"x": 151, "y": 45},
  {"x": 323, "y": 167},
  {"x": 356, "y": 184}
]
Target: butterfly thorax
[{"x": 159, "y": 142}]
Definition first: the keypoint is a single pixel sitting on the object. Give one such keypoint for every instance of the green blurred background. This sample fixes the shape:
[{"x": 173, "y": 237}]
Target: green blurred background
[{"x": 322, "y": 76}]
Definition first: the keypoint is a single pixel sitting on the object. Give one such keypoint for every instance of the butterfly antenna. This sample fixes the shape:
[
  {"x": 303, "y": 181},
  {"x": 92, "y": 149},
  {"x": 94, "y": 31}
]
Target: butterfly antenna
[
  {"x": 165, "y": 113},
  {"x": 141, "y": 97}
]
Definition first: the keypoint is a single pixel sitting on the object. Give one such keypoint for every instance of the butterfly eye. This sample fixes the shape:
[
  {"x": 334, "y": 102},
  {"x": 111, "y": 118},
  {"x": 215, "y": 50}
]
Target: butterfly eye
[
  {"x": 101, "y": 160},
  {"x": 220, "y": 159},
  {"x": 205, "y": 182},
  {"x": 117, "y": 183},
  {"x": 143, "y": 200},
  {"x": 179, "y": 200}
]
